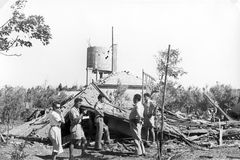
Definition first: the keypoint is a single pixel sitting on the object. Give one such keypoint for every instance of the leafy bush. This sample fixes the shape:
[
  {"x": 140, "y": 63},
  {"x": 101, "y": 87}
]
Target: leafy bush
[
  {"x": 192, "y": 101},
  {"x": 224, "y": 95},
  {"x": 40, "y": 96},
  {"x": 13, "y": 100},
  {"x": 18, "y": 153},
  {"x": 26, "y": 114}
]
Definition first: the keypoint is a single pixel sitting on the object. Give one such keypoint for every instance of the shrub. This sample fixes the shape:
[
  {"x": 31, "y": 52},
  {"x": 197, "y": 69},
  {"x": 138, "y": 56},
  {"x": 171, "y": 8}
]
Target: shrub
[
  {"x": 18, "y": 153},
  {"x": 13, "y": 100},
  {"x": 224, "y": 95}
]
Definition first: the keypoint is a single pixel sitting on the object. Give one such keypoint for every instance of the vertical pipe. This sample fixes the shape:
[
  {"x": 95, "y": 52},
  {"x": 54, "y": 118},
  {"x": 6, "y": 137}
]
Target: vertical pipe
[
  {"x": 163, "y": 102},
  {"x": 86, "y": 76},
  {"x": 96, "y": 75},
  {"x": 112, "y": 49},
  {"x": 142, "y": 83}
]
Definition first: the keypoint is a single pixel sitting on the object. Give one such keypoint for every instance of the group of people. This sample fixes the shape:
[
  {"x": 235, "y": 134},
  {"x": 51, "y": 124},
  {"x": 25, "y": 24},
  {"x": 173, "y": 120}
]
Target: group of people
[
  {"x": 141, "y": 113},
  {"x": 77, "y": 134}
]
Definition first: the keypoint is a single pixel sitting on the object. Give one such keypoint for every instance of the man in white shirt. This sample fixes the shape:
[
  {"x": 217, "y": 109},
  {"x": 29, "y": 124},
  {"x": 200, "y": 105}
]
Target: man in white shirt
[{"x": 136, "y": 121}]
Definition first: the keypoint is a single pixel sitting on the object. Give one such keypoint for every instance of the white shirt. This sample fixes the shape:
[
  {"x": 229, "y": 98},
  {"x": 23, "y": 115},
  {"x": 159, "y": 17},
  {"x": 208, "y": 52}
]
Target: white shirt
[
  {"x": 54, "y": 118},
  {"x": 99, "y": 107},
  {"x": 137, "y": 111},
  {"x": 149, "y": 108}
]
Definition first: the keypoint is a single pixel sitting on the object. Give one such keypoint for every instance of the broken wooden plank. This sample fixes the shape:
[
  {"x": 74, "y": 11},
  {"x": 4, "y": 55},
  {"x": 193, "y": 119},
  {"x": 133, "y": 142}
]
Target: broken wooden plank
[
  {"x": 220, "y": 141},
  {"x": 233, "y": 157},
  {"x": 196, "y": 132},
  {"x": 1, "y": 136},
  {"x": 193, "y": 138},
  {"x": 231, "y": 131},
  {"x": 205, "y": 156},
  {"x": 212, "y": 102}
]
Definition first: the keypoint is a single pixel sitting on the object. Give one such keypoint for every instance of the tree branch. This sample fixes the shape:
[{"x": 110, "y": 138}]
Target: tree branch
[
  {"x": 13, "y": 42},
  {"x": 5, "y": 23},
  {"x": 17, "y": 55}
]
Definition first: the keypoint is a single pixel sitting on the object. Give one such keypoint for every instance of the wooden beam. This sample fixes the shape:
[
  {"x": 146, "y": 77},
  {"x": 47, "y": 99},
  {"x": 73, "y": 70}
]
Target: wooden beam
[
  {"x": 213, "y": 103},
  {"x": 220, "y": 141},
  {"x": 142, "y": 84},
  {"x": 114, "y": 86},
  {"x": 163, "y": 103},
  {"x": 233, "y": 157},
  {"x": 2, "y": 138}
]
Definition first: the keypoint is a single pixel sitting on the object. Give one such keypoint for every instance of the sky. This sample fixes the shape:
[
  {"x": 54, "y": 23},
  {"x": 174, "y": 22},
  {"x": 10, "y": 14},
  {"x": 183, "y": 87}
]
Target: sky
[{"x": 206, "y": 32}]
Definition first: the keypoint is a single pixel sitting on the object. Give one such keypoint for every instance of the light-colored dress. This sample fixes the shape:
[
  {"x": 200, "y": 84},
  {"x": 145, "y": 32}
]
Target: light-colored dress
[{"x": 55, "y": 131}]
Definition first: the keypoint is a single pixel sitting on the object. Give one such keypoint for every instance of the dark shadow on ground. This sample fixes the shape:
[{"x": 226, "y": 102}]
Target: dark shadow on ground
[
  {"x": 85, "y": 157},
  {"x": 49, "y": 157},
  {"x": 121, "y": 154},
  {"x": 91, "y": 157}
]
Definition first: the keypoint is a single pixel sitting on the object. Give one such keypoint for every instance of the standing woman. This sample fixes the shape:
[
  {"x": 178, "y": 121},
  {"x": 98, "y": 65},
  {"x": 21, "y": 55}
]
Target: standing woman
[{"x": 56, "y": 118}]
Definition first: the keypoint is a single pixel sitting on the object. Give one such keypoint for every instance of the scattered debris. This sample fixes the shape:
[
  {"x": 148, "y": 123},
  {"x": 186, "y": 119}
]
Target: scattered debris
[
  {"x": 2, "y": 138},
  {"x": 180, "y": 129},
  {"x": 205, "y": 156},
  {"x": 233, "y": 157}
]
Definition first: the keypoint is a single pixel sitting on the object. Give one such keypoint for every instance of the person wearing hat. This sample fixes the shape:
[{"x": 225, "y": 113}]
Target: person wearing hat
[
  {"x": 77, "y": 134},
  {"x": 100, "y": 125},
  {"x": 56, "y": 118}
]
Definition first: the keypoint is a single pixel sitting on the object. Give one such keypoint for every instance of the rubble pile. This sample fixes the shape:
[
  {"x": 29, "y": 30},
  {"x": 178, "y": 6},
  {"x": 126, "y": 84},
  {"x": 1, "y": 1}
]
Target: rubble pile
[
  {"x": 198, "y": 131},
  {"x": 37, "y": 129},
  {"x": 193, "y": 132}
]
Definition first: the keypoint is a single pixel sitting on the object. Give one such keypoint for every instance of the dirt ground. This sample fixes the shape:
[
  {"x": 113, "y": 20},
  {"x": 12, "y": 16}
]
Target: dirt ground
[
  {"x": 173, "y": 150},
  {"x": 39, "y": 151}
]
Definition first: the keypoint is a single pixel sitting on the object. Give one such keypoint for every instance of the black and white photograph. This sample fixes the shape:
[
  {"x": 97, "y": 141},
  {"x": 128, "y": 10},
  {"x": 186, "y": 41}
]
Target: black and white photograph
[{"x": 119, "y": 79}]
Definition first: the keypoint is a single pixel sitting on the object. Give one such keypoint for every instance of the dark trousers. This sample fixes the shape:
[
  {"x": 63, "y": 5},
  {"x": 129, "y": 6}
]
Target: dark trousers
[{"x": 101, "y": 127}]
